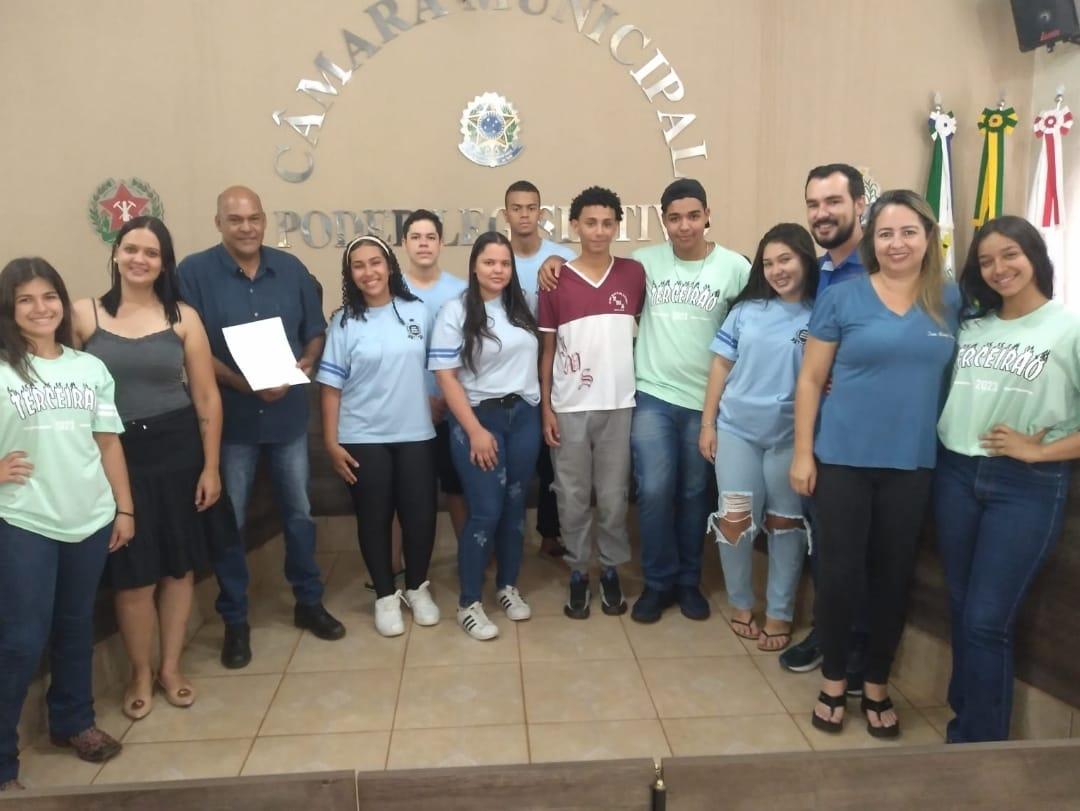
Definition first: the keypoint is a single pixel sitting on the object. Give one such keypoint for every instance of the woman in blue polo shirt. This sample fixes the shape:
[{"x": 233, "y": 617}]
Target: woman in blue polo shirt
[
  {"x": 886, "y": 339},
  {"x": 377, "y": 424},
  {"x": 484, "y": 354}
]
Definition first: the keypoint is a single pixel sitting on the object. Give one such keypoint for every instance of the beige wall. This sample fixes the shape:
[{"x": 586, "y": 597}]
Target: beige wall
[{"x": 181, "y": 94}]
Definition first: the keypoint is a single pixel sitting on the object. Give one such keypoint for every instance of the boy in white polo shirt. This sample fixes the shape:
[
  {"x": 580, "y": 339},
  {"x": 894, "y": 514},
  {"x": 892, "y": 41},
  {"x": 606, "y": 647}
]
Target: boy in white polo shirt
[{"x": 587, "y": 386}]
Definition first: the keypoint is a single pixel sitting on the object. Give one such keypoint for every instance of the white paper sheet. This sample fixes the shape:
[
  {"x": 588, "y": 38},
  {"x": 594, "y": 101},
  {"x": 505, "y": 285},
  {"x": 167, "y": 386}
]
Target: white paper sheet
[{"x": 263, "y": 354}]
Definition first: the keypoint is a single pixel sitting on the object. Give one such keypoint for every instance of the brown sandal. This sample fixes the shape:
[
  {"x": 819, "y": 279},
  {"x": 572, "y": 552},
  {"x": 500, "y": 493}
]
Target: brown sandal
[
  {"x": 765, "y": 636},
  {"x": 748, "y": 625},
  {"x": 182, "y": 697}
]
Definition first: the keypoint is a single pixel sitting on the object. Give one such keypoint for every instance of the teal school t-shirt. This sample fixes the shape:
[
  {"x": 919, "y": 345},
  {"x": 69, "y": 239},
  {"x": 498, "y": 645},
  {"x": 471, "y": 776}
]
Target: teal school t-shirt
[
  {"x": 1023, "y": 373},
  {"x": 378, "y": 364},
  {"x": 53, "y": 419},
  {"x": 685, "y": 304}
]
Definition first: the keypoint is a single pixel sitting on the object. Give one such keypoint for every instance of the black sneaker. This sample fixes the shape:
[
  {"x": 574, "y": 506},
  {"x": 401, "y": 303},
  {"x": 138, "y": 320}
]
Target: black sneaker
[
  {"x": 856, "y": 664},
  {"x": 804, "y": 657},
  {"x": 577, "y": 606},
  {"x": 692, "y": 603},
  {"x": 236, "y": 649},
  {"x": 612, "y": 602},
  {"x": 651, "y": 604},
  {"x": 317, "y": 619}
]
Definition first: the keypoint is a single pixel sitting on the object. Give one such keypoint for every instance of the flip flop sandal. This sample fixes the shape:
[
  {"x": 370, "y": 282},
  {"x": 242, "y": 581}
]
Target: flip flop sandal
[
  {"x": 869, "y": 705},
  {"x": 747, "y": 624},
  {"x": 766, "y": 636},
  {"x": 833, "y": 703}
]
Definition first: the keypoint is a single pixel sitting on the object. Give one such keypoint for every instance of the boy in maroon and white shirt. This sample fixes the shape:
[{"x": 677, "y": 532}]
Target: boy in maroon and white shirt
[{"x": 587, "y": 389}]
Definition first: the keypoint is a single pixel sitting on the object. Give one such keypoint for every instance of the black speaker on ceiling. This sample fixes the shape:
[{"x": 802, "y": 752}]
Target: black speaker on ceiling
[{"x": 1045, "y": 22}]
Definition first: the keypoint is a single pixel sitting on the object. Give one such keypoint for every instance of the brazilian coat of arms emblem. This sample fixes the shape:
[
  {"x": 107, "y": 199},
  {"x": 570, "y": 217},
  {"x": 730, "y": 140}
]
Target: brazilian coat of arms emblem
[
  {"x": 490, "y": 130},
  {"x": 117, "y": 201}
]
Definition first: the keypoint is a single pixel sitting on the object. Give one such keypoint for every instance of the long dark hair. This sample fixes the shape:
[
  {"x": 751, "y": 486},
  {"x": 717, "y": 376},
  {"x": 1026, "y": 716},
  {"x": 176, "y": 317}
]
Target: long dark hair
[
  {"x": 166, "y": 286},
  {"x": 353, "y": 303},
  {"x": 979, "y": 297},
  {"x": 15, "y": 348},
  {"x": 798, "y": 239},
  {"x": 476, "y": 326}
]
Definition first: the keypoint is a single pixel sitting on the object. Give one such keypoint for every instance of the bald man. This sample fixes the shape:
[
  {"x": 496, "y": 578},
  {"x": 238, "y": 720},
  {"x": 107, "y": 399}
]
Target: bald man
[{"x": 235, "y": 282}]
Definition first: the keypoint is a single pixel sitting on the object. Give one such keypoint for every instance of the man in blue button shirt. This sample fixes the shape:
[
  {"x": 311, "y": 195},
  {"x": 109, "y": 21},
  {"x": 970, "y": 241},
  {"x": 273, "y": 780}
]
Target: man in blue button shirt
[
  {"x": 835, "y": 202},
  {"x": 235, "y": 282}
]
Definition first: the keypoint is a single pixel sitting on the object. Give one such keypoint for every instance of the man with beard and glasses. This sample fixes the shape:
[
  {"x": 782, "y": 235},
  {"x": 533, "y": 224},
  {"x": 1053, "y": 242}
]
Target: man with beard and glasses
[{"x": 835, "y": 201}]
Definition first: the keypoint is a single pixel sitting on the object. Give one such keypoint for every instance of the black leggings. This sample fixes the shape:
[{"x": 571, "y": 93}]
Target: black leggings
[
  {"x": 869, "y": 523},
  {"x": 395, "y": 478}
]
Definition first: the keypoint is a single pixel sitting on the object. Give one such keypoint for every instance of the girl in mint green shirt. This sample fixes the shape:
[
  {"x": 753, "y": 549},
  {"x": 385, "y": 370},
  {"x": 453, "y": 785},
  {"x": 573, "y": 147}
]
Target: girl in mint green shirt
[
  {"x": 1008, "y": 428},
  {"x": 65, "y": 503}
]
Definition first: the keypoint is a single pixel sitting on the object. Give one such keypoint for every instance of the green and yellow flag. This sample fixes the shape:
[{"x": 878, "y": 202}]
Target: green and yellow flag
[{"x": 994, "y": 123}]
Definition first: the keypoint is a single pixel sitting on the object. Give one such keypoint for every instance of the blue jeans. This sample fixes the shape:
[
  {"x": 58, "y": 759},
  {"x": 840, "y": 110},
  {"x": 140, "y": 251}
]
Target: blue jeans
[
  {"x": 47, "y": 592},
  {"x": 289, "y": 477},
  {"x": 997, "y": 519},
  {"x": 495, "y": 498},
  {"x": 672, "y": 482},
  {"x": 754, "y": 480}
]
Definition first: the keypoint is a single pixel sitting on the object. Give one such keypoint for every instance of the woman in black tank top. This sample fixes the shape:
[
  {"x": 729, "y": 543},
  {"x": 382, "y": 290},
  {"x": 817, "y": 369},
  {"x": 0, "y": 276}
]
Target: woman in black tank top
[{"x": 157, "y": 352}]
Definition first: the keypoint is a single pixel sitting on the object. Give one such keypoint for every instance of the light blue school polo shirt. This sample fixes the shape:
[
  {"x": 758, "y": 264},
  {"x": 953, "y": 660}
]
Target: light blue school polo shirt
[{"x": 378, "y": 364}]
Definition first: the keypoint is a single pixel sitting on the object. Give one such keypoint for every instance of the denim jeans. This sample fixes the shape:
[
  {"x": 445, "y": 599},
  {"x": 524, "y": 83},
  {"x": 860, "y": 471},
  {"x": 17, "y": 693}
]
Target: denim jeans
[
  {"x": 495, "y": 498},
  {"x": 47, "y": 592},
  {"x": 672, "y": 482},
  {"x": 754, "y": 479},
  {"x": 289, "y": 477},
  {"x": 997, "y": 519}
]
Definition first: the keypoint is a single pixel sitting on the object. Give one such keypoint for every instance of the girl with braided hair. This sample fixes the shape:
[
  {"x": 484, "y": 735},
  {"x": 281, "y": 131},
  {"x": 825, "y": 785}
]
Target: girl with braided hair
[{"x": 377, "y": 424}]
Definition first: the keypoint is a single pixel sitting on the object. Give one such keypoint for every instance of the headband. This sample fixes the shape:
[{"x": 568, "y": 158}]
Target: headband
[{"x": 367, "y": 238}]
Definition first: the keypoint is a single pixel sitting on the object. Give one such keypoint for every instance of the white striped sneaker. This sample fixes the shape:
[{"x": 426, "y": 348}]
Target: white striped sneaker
[
  {"x": 476, "y": 623},
  {"x": 511, "y": 601}
]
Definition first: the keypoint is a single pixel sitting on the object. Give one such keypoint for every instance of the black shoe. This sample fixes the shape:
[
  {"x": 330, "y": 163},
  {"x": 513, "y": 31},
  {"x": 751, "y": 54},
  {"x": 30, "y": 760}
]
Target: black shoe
[
  {"x": 854, "y": 683},
  {"x": 651, "y": 604},
  {"x": 804, "y": 657},
  {"x": 236, "y": 650},
  {"x": 317, "y": 619},
  {"x": 856, "y": 664},
  {"x": 692, "y": 603},
  {"x": 577, "y": 606},
  {"x": 611, "y": 598}
]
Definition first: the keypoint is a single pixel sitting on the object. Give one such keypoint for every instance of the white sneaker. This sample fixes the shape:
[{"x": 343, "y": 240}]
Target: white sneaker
[
  {"x": 511, "y": 601},
  {"x": 424, "y": 610},
  {"x": 476, "y": 623},
  {"x": 388, "y": 621}
]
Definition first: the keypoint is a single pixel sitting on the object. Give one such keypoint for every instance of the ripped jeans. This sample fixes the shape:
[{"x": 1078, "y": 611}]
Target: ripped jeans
[
  {"x": 496, "y": 498},
  {"x": 754, "y": 480}
]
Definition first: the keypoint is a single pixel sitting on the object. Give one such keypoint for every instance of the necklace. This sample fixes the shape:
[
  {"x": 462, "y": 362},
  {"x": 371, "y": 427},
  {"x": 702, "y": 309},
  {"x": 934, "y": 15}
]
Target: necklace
[{"x": 701, "y": 264}]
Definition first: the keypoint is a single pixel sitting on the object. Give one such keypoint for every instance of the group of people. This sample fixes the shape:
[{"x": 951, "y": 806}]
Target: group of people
[{"x": 834, "y": 400}]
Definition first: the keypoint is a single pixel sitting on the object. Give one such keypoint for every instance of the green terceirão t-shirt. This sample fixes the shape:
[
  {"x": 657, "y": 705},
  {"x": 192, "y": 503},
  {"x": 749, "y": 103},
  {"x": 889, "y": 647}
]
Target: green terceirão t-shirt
[
  {"x": 53, "y": 419},
  {"x": 1023, "y": 373},
  {"x": 685, "y": 304}
]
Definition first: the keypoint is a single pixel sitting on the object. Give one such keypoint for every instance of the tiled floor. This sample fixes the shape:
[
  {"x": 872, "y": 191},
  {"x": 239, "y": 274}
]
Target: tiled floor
[{"x": 550, "y": 689}]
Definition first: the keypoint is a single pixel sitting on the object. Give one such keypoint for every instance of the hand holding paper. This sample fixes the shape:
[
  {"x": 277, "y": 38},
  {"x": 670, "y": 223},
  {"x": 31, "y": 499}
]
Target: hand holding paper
[{"x": 263, "y": 354}]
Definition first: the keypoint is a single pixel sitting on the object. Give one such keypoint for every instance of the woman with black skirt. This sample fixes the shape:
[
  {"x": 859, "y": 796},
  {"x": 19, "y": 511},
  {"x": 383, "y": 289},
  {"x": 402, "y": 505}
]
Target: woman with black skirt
[{"x": 157, "y": 351}]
